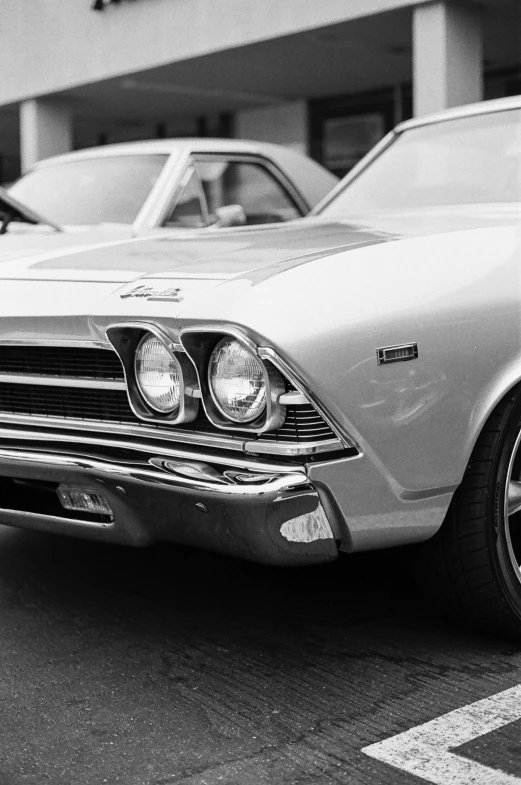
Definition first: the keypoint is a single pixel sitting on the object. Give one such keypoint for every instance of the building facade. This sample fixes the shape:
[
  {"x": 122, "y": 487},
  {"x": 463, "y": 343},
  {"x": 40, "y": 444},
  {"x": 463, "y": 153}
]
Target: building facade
[{"x": 329, "y": 77}]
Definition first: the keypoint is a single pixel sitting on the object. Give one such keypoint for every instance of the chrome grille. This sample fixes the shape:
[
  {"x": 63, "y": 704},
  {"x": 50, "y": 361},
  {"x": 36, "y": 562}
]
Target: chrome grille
[{"x": 303, "y": 424}]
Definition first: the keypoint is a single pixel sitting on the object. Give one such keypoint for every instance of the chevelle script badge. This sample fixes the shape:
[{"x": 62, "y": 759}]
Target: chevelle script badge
[{"x": 172, "y": 295}]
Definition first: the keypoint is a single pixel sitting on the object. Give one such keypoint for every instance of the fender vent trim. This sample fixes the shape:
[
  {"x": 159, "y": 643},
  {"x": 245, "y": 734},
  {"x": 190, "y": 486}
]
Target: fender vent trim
[{"x": 397, "y": 354}]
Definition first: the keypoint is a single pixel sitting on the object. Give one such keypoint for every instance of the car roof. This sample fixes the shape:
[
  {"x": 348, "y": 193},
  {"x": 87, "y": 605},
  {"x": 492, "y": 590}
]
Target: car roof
[
  {"x": 169, "y": 146},
  {"x": 468, "y": 110}
]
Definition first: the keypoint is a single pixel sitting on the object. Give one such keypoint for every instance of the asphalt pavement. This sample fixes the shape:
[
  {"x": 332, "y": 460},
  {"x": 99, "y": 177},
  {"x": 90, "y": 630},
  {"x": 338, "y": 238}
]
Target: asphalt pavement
[{"x": 168, "y": 666}]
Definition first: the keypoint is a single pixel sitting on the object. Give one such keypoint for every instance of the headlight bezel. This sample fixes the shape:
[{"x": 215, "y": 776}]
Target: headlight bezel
[
  {"x": 199, "y": 344},
  {"x": 125, "y": 338}
]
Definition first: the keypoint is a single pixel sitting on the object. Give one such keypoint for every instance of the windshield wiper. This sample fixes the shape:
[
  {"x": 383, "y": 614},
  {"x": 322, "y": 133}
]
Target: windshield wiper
[{"x": 13, "y": 210}]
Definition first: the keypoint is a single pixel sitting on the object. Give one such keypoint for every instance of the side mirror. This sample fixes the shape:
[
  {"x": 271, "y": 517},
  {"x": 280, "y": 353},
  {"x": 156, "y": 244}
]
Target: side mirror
[{"x": 231, "y": 215}]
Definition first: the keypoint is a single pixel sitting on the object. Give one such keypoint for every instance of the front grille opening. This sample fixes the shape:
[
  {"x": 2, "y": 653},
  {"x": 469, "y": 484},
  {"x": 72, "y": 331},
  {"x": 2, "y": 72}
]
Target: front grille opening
[
  {"x": 72, "y": 403},
  {"x": 40, "y": 498},
  {"x": 61, "y": 361}
]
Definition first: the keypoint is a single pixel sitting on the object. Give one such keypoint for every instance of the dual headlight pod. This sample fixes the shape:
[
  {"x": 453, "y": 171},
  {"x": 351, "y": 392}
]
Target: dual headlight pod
[{"x": 168, "y": 382}]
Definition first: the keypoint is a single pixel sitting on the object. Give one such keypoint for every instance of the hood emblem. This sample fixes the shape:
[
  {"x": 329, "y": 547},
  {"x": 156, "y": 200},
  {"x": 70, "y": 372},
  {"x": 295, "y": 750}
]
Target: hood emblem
[{"x": 173, "y": 295}]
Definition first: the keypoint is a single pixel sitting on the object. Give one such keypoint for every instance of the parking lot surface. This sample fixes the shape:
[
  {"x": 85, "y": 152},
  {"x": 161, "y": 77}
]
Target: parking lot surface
[{"x": 168, "y": 666}]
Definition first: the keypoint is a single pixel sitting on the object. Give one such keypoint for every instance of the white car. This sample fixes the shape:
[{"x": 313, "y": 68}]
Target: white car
[
  {"x": 343, "y": 382},
  {"x": 171, "y": 183}
]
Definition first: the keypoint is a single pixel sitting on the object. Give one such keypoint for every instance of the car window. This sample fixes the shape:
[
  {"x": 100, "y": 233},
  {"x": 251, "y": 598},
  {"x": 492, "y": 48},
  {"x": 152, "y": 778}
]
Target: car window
[
  {"x": 262, "y": 197},
  {"x": 467, "y": 160},
  {"x": 188, "y": 211},
  {"x": 90, "y": 191}
]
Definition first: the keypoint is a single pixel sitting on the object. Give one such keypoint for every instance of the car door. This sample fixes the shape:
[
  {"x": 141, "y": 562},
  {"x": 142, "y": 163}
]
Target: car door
[{"x": 215, "y": 181}]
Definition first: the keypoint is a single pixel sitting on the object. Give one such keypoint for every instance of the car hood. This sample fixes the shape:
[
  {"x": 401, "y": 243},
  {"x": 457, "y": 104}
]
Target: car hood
[
  {"x": 111, "y": 256},
  {"x": 217, "y": 254}
]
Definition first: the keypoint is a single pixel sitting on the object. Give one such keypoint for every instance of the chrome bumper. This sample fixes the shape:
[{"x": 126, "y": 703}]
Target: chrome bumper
[{"x": 253, "y": 510}]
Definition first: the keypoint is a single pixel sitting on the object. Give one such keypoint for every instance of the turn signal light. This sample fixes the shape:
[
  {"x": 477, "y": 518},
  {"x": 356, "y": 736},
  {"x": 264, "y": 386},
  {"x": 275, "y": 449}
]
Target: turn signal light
[{"x": 81, "y": 499}]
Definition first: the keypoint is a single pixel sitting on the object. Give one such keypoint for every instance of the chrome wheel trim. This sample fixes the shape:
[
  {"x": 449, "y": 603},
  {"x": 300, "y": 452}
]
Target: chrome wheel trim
[{"x": 512, "y": 507}]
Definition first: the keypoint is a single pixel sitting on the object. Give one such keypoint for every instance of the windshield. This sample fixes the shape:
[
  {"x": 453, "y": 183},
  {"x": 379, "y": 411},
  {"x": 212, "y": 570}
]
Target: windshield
[
  {"x": 470, "y": 160},
  {"x": 90, "y": 191}
]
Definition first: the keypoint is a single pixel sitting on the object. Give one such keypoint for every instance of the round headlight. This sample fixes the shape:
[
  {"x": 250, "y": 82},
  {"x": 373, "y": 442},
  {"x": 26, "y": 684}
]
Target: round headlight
[
  {"x": 158, "y": 375},
  {"x": 237, "y": 381}
]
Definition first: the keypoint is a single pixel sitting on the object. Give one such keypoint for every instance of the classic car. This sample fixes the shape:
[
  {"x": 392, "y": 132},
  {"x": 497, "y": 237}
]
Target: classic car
[
  {"x": 133, "y": 188},
  {"x": 342, "y": 382}
]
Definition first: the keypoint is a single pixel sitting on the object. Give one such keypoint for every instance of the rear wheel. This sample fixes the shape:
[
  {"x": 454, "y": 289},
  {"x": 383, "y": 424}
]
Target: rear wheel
[{"x": 474, "y": 562}]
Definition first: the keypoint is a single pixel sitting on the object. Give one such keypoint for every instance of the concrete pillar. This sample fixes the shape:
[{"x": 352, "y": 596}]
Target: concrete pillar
[
  {"x": 285, "y": 124},
  {"x": 45, "y": 129},
  {"x": 447, "y": 56}
]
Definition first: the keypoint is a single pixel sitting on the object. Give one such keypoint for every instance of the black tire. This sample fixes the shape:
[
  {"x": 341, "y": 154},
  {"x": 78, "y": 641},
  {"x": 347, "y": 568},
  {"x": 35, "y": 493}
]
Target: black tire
[{"x": 473, "y": 563}]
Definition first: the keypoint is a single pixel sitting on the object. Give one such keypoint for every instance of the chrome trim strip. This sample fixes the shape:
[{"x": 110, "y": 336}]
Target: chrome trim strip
[
  {"x": 150, "y": 431},
  {"x": 98, "y": 344},
  {"x": 288, "y": 449},
  {"x": 62, "y": 381},
  {"x": 121, "y": 471},
  {"x": 72, "y": 440}
]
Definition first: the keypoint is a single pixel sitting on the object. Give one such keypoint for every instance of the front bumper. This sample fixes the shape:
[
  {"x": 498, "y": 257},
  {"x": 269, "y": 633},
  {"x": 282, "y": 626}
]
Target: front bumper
[{"x": 254, "y": 510}]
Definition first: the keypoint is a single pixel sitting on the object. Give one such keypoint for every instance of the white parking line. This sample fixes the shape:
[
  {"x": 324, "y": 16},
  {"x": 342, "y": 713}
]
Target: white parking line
[{"x": 425, "y": 750}]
